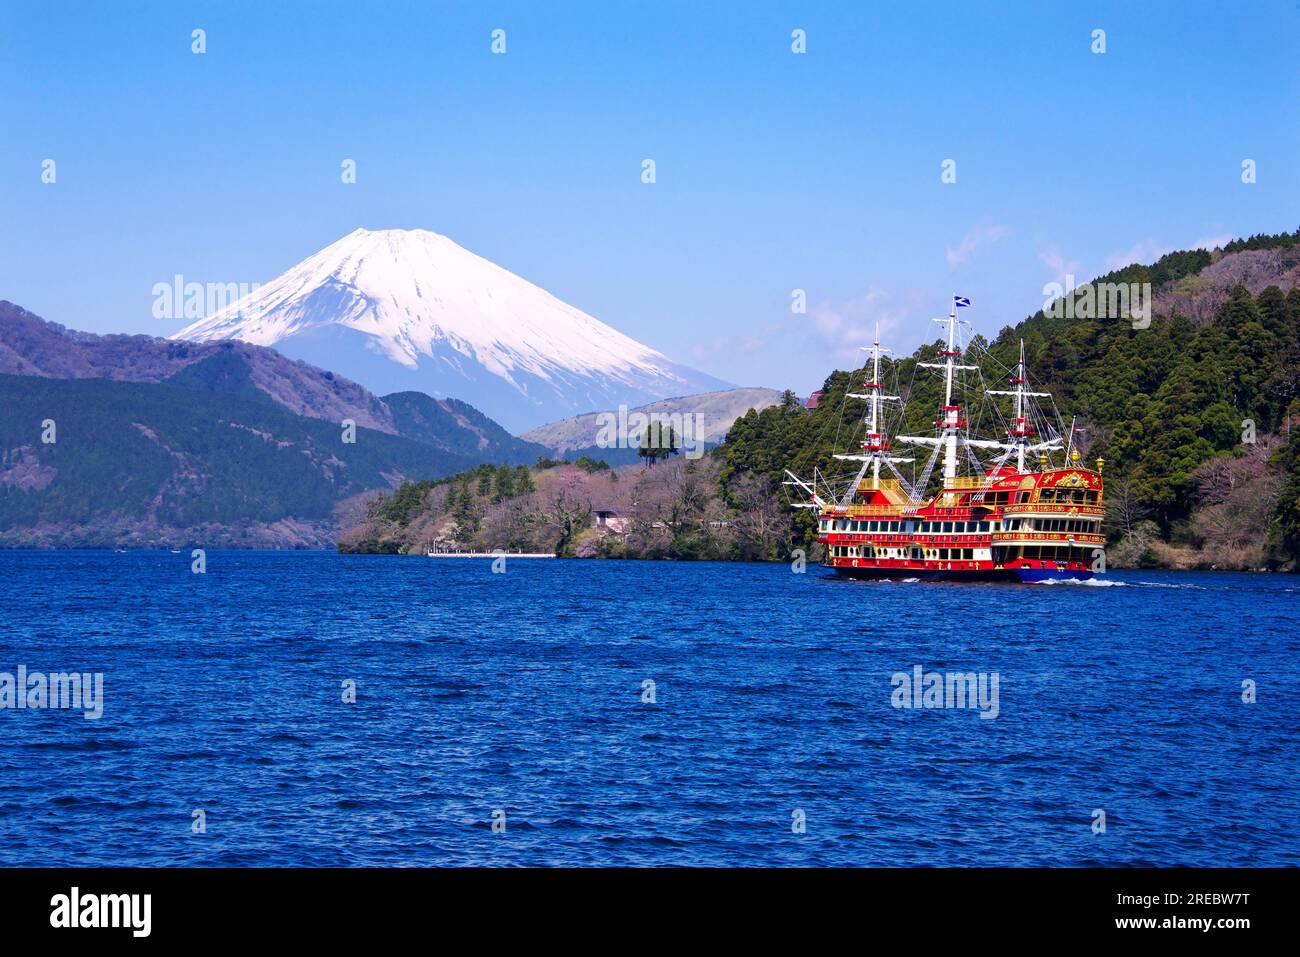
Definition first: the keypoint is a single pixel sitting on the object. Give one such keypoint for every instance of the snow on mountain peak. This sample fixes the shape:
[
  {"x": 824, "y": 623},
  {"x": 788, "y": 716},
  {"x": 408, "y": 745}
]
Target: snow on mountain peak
[
  {"x": 435, "y": 309},
  {"x": 413, "y": 288}
]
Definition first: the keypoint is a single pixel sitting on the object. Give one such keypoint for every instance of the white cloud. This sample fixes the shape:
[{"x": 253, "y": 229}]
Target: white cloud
[
  {"x": 840, "y": 329},
  {"x": 1213, "y": 242},
  {"x": 979, "y": 236},
  {"x": 1143, "y": 252},
  {"x": 744, "y": 344},
  {"x": 844, "y": 328},
  {"x": 1061, "y": 267},
  {"x": 1148, "y": 250}
]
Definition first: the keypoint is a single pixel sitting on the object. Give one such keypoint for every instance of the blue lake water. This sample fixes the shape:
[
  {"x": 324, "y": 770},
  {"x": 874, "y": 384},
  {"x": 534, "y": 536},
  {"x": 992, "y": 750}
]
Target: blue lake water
[{"x": 522, "y": 692}]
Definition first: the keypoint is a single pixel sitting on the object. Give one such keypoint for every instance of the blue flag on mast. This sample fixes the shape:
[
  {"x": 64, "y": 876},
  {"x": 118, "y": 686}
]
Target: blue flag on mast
[{"x": 960, "y": 301}]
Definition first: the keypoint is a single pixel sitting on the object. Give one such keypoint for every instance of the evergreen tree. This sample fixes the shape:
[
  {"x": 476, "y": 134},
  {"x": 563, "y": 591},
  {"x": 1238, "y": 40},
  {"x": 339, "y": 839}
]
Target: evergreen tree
[
  {"x": 658, "y": 442},
  {"x": 1287, "y": 458},
  {"x": 505, "y": 484},
  {"x": 464, "y": 511},
  {"x": 523, "y": 480}
]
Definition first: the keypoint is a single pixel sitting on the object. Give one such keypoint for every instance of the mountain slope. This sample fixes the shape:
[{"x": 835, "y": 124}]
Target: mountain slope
[
  {"x": 152, "y": 463},
  {"x": 31, "y": 346},
  {"x": 458, "y": 427},
  {"x": 410, "y": 310},
  {"x": 1202, "y": 291}
]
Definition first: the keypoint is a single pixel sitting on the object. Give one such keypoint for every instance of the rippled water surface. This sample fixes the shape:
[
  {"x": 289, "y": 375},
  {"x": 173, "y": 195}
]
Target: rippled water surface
[{"x": 523, "y": 692}]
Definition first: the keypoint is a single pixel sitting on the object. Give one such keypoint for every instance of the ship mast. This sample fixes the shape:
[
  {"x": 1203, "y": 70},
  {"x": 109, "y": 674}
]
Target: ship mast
[
  {"x": 949, "y": 410},
  {"x": 1021, "y": 430},
  {"x": 874, "y": 441},
  {"x": 873, "y": 434},
  {"x": 875, "y": 447},
  {"x": 951, "y": 423}
]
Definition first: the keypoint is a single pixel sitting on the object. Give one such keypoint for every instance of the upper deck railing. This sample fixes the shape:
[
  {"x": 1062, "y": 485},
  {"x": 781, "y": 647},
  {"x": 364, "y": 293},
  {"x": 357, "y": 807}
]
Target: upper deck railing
[
  {"x": 1031, "y": 508},
  {"x": 883, "y": 485},
  {"x": 964, "y": 482},
  {"x": 942, "y": 511}
]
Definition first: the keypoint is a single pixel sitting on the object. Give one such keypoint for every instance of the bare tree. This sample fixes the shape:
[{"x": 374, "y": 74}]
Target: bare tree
[
  {"x": 1124, "y": 509},
  {"x": 761, "y": 525},
  {"x": 568, "y": 511},
  {"x": 1237, "y": 494}
]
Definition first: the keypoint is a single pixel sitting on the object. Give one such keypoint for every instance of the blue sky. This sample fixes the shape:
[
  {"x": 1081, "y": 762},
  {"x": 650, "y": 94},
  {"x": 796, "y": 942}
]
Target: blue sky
[{"x": 775, "y": 171}]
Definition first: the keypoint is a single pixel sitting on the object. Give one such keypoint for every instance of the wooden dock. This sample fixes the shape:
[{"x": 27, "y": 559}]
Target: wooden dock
[{"x": 488, "y": 555}]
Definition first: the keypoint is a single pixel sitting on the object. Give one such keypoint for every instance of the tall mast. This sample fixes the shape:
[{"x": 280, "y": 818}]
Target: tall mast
[
  {"x": 873, "y": 433},
  {"x": 1020, "y": 408},
  {"x": 950, "y": 423},
  {"x": 875, "y": 447},
  {"x": 1021, "y": 430},
  {"x": 949, "y": 410}
]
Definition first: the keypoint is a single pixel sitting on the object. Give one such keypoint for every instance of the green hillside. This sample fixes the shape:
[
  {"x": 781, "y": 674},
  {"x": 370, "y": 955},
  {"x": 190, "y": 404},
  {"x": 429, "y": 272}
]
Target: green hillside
[
  {"x": 458, "y": 427},
  {"x": 226, "y": 373},
  {"x": 165, "y": 455}
]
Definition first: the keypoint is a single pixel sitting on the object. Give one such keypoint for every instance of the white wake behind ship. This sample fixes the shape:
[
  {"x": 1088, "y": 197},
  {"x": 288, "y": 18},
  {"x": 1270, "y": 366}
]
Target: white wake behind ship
[{"x": 399, "y": 309}]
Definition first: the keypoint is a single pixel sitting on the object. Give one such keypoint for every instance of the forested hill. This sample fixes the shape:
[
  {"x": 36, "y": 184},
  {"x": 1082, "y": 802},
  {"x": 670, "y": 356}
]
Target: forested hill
[
  {"x": 1192, "y": 414},
  {"x": 30, "y": 346},
  {"x": 155, "y": 442},
  {"x": 92, "y": 462}
]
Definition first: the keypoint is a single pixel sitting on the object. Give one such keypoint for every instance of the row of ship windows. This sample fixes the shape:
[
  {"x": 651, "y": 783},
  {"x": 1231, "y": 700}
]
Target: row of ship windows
[
  {"x": 1055, "y": 496},
  {"x": 915, "y": 554},
  {"x": 909, "y": 528},
  {"x": 1060, "y": 553},
  {"x": 999, "y": 555},
  {"x": 1070, "y": 496},
  {"x": 963, "y": 528},
  {"x": 1056, "y": 524}
]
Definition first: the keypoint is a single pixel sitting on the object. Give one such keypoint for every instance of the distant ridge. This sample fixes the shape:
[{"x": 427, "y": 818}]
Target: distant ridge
[
  {"x": 30, "y": 345},
  {"x": 577, "y": 436}
]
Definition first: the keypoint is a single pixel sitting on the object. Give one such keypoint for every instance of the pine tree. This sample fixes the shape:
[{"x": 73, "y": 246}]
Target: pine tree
[
  {"x": 505, "y": 484},
  {"x": 523, "y": 480},
  {"x": 1287, "y": 458},
  {"x": 658, "y": 442}
]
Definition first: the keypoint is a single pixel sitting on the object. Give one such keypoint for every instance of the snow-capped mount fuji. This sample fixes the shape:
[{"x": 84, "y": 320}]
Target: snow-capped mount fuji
[{"x": 399, "y": 309}]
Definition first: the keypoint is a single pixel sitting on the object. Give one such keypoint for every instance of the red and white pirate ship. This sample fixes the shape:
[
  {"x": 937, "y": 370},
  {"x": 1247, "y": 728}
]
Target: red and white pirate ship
[{"x": 998, "y": 521}]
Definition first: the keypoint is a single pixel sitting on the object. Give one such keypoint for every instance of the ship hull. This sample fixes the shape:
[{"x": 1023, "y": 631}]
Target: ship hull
[
  {"x": 1043, "y": 575},
  {"x": 970, "y": 575}
]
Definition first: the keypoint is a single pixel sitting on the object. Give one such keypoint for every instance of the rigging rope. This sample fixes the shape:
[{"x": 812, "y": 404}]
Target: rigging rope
[
  {"x": 919, "y": 489},
  {"x": 978, "y": 497},
  {"x": 904, "y": 483}
]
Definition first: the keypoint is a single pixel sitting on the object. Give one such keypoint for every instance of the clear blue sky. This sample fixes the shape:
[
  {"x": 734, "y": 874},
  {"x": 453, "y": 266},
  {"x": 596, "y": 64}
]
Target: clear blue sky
[{"x": 776, "y": 171}]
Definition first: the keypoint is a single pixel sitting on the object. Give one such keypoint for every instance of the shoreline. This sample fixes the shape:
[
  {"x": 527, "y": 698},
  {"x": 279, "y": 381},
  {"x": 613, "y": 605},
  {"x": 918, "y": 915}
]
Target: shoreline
[{"x": 323, "y": 550}]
